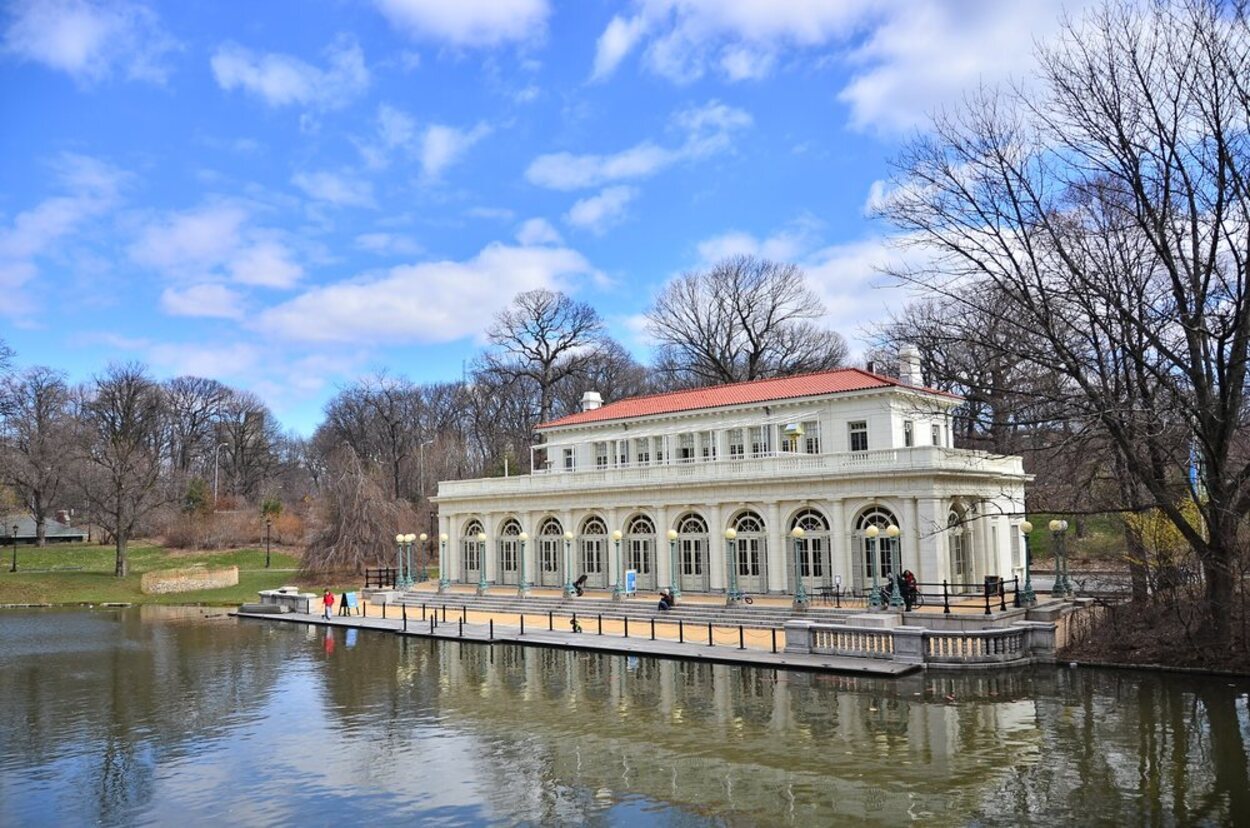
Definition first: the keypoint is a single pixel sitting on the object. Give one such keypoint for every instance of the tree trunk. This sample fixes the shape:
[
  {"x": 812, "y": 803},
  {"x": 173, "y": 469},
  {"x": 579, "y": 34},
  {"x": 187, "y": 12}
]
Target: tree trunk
[
  {"x": 1138, "y": 566},
  {"x": 122, "y": 566},
  {"x": 41, "y": 531}
]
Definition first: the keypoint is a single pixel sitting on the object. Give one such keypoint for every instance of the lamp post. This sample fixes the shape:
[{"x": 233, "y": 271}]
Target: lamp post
[
  {"x": 521, "y": 589},
  {"x": 408, "y": 579},
  {"x": 800, "y": 591},
  {"x": 13, "y": 568},
  {"x": 1029, "y": 597},
  {"x": 674, "y": 576},
  {"x": 568, "y": 570},
  {"x": 422, "y": 557},
  {"x": 444, "y": 583},
  {"x": 874, "y": 563},
  {"x": 732, "y": 594},
  {"x": 618, "y": 592},
  {"x": 896, "y": 594},
  {"x": 399, "y": 558},
  {"x": 481, "y": 562},
  {"x": 1062, "y": 588},
  {"x": 268, "y": 523}
]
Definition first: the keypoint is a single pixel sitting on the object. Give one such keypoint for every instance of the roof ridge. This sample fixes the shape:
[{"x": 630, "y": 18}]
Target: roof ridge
[{"x": 758, "y": 380}]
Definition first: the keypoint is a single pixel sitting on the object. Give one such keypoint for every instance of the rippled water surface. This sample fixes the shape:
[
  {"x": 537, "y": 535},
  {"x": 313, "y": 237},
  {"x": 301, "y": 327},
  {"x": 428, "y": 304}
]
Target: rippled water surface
[{"x": 184, "y": 717}]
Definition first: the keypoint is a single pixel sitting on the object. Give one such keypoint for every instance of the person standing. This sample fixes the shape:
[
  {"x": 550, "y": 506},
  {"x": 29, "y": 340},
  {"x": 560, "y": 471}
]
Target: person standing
[{"x": 328, "y": 601}]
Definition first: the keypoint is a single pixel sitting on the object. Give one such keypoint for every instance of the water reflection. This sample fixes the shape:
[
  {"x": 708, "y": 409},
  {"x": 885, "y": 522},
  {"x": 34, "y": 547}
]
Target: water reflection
[{"x": 127, "y": 717}]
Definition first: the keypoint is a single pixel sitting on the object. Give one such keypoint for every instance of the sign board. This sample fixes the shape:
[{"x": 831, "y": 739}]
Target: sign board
[
  {"x": 351, "y": 601},
  {"x": 837, "y": 580},
  {"x": 631, "y": 581}
]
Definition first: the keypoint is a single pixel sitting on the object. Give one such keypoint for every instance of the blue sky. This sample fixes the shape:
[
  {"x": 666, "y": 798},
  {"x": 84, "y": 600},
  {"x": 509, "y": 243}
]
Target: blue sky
[{"x": 285, "y": 196}]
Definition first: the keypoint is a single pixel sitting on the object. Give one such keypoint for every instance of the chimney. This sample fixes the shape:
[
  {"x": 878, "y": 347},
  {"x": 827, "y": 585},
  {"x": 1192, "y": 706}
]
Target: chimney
[
  {"x": 591, "y": 400},
  {"x": 62, "y": 516},
  {"x": 909, "y": 365}
]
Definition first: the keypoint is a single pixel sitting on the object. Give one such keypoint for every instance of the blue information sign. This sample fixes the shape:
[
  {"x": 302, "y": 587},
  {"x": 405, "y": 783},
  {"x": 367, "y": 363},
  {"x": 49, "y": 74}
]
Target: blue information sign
[
  {"x": 631, "y": 581},
  {"x": 351, "y": 600}
]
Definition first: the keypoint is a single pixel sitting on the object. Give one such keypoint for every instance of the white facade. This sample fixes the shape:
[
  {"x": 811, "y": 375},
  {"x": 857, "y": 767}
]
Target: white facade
[{"x": 832, "y": 463}]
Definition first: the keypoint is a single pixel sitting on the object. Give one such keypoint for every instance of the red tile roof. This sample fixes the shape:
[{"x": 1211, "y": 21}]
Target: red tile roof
[{"x": 739, "y": 393}]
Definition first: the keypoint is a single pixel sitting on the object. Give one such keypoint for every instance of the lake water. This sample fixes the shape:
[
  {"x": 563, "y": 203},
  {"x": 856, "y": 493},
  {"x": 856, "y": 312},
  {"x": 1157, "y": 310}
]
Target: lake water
[{"x": 161, "y": 716}]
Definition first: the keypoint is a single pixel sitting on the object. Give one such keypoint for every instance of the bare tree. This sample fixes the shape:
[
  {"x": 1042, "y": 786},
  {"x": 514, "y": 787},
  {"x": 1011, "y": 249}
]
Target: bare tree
[
  {"x": 745, "y": 318},
  {"x": 196, "y": 406},
  {"x": 1105, "y": 213},
  {"x": 38, "y": 440},
  {"x": 543, "y": 337},
  {"x": 123, "y": 446},
  {"x": 249, "y": 436}
]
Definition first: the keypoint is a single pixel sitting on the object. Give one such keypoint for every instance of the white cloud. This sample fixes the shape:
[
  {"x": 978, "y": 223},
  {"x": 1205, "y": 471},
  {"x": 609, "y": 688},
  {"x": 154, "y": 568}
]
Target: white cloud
[
  {"x": 786, "y": 245},
  {"x": 265, "y": 264},
  {"x": 89, "y": 40},
  {"x": 538, "y": 231},
  {"x": 339, "y": 189},
  {"x": 215, "y": 243},
  {"x": 211, "y": 300},
  {"x": 213, "y": 361},
  {"x": 442, "y": 146},
  {"x": 424, "y": 302},
  {"x": 283, "y": 80},
  {"x": 599, "y": 212},
  {"x": 90, "y": 189},
  {"x": 468, "y": 22},
  {"x": 617, "y": 41},
  {"x": 708, "y": 129},
  {"x": 740, "y": 38},
  {"x": 387, "y": 244}
]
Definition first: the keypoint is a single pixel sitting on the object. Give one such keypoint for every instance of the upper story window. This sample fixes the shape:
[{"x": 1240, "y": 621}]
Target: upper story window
[
  {"x": 601, "y": 455},
  {"x": 657, "y": 444},
  {"x": 622, "y": 452},
  {"x": 736, "y": 447},
  {"x": 707, "y": 445},
  {"x": 859, "y": 435},
  {"x": 811, "y": 437},
  {"x": 760, "y": 442},
  {"x": 569, "y": 460},
  {"x": 685, "y": 448},
  {"x": 937, "y": 435},
  {"x": 909, "y": 433},
  {"x": 642, "y": 450}
]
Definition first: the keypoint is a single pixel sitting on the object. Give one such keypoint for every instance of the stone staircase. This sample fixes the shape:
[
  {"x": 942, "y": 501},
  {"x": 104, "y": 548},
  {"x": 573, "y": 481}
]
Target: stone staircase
[{"x": 754, "y": 616}]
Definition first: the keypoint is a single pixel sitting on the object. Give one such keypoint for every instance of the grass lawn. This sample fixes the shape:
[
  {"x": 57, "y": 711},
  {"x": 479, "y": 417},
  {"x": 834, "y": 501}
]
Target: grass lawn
[
  {"x": 1103, "y": 541},
  {"x": 83, "y": 574}
]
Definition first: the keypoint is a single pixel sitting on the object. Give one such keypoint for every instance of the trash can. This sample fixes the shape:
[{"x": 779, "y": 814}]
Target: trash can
[{"x": 992, "y": 584}]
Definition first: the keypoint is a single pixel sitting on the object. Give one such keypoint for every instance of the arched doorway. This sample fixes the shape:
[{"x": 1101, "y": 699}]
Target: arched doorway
[
  {"x": 509, "y": 551},
  {"x": 692, "y": 553},
  {"x": 813, "y": 550},
  {"x": 592, "y": 554},
  {"x": 959, "y": 552},
  {"x": 640, "y": 550},
  {"x": 472, "y": 551},
  {"x": 550, "y": 553},
  {"x": 880, "y": 557},
  {"x": 750, "y": 552}
]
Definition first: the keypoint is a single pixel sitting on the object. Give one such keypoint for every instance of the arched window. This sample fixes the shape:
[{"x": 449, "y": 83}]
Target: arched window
[
  {"x": 749, "y": 522},
  {"x": 957, "y": 547},
  {"x": 641, "y": 525},
  {"x": 594, "y": 550},
  {"x": 551, "y": 526},
  {"x": 749, "y": 550},
  {"x": 692, "y": 542},
  {"x": 509, "y": 549},
  {"x": 881, "y": 557},
  {"x": 512, "y": 528},
  {"x": 692, "y": 525},
  {"x": 640, "y": 549},
  {"x": 471, "y": 547},
  {"x": 812, "y": 549}
]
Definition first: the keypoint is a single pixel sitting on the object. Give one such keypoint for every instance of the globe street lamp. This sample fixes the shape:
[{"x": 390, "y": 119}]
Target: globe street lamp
[
  {"x": 423, "y": 557},
  {"x": 444, "y": 583},
  {"x": 1062, "y": 588},
  {"x": 13, "y": 568},
  {"x": 408, "y": 579},
  {"x": 874, "y": 600},
  {"x": 732, "y": 594},
  {"x": 1029, "y": 597},
  {"x": 569, "y": 589},
  {"x": 268, "y": 522},
  {"x": 800, "y": 592},
  {"x": 896, "y": 594},
  {"x": 673, "y": 576},
  {"x": 521, "y": 588},
  {"x": 481, "y": 562},
  {"x": 399, "y": 558},
  {"x": 618, "y": 592}
]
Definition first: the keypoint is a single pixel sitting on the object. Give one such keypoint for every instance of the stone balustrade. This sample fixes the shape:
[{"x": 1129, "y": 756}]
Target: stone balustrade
[{"x": 1021, "y": 642}]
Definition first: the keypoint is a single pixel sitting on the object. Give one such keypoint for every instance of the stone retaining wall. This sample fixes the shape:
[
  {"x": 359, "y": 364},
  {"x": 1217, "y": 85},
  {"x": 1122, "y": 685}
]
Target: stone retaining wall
[{"x": 163, "y": 581}]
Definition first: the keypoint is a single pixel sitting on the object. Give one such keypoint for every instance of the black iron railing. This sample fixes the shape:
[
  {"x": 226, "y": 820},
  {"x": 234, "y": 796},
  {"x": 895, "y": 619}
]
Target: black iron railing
[{"x": 383, "y": 576}]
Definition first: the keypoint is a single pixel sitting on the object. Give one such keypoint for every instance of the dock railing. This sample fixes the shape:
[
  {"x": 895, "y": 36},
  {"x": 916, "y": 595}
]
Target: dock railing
[{"x": 1021, "y": 641}]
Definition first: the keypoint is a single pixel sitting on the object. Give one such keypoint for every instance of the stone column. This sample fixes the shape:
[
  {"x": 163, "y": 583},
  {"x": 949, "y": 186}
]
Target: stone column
[
  {"x": 716, "y": 548},
  {"x": 663, "y": 565},
  {"x": 491, "y": 552},
  {"x": 910, "y": 538},
  {"x": 840, "y": 542},
  {"x": 780, "y": 553},
  {"x": 452, "y": 568},
  {"x": 568, "y": 567},
  {"x": 932, "y": 549},
  {"x": 529, "y": 524},
  {"x": 614, "y": 566}
]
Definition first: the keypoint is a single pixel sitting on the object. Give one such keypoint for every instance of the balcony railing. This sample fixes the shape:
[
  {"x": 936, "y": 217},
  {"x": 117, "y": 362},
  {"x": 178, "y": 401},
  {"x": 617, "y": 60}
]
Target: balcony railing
[{"x": 777, "y": 465}]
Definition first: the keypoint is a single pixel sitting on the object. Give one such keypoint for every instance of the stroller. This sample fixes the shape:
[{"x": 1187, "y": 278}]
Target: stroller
[{"x": 580, "y": 585}]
